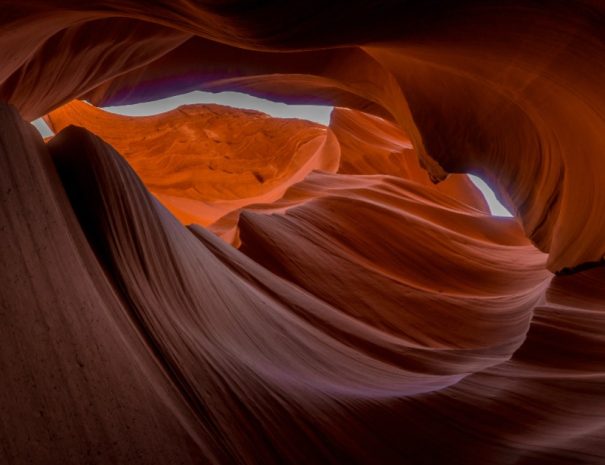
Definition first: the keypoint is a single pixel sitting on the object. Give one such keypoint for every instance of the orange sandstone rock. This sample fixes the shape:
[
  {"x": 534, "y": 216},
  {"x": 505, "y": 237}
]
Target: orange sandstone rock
[
  {"x": 369, "y": 316},
  {"x": 203, "y": 161}
]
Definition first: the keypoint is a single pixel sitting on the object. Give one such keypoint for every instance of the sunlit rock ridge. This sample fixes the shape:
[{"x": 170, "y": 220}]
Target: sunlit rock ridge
[{"x": 213, "y": 285}]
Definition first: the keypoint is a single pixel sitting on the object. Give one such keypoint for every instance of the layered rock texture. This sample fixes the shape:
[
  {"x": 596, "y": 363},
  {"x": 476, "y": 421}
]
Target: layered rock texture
[{"x": 214, "y": 285}]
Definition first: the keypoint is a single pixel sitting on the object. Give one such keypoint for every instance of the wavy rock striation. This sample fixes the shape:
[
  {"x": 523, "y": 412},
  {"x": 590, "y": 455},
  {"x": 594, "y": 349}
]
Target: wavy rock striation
[{"x": 367, "y": 315}]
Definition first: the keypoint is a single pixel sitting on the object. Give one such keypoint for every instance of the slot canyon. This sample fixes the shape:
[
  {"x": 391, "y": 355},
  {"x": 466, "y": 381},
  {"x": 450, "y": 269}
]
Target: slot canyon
[{"x": 211, "y": 284}]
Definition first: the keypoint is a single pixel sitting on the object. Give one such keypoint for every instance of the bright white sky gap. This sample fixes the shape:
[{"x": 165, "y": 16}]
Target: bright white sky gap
[
  {"x": 317, "y": 113},
  {"x": 495, "y": 207},
  {"x": 42, "y": 127}
]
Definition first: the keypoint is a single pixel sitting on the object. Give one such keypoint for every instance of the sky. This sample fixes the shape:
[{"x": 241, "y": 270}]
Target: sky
[
  {"x": 317, "y": 113},
  {"x": 42, "y": 127}
]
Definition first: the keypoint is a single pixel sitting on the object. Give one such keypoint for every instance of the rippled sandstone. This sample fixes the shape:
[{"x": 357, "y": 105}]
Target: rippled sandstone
[{"x": 372, "y": 310}]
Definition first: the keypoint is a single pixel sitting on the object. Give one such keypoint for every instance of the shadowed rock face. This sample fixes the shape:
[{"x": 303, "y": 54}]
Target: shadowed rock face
[{"x": 213, "y": 285}]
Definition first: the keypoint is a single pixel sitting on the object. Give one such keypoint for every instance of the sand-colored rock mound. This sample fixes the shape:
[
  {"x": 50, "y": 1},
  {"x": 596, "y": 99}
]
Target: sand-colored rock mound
[{"x": 203, "y": 161}]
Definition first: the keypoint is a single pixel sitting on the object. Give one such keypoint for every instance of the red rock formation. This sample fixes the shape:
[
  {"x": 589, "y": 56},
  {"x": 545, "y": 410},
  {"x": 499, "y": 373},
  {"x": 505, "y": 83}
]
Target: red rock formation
[
  {"x": 203, "y": 161},
  {"x": 80, "y": 382},
  {"x": 368, "y": 315},
  {"x": 371, "y": 145},
  {"x": 499, "y": 104}
]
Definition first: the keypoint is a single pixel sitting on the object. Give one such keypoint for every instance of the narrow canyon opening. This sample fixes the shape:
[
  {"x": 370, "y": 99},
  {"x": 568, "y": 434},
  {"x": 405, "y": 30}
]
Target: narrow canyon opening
[{"x": 236, "y": 100}]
